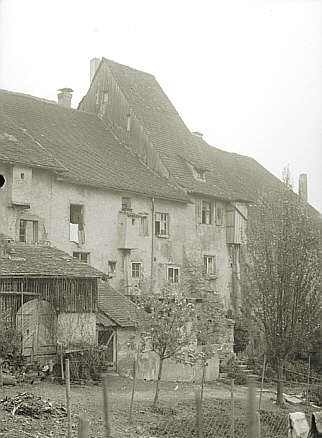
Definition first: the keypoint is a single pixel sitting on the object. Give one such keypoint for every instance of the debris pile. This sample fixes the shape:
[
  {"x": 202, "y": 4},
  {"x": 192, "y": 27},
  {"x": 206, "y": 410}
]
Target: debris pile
[{"x": 28, "y": 404}]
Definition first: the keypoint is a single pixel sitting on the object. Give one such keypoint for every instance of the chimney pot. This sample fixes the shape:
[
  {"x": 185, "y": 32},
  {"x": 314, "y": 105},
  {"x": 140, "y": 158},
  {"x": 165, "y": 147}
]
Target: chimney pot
[
  {"x": 303, "y": 186},
  {"x": 94, "y": 63},
  {"x": 64, "y": 97}
]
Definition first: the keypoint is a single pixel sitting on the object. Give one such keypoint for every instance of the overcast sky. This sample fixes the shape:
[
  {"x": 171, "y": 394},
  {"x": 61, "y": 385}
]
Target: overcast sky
[{"x": 245, "y": 73}]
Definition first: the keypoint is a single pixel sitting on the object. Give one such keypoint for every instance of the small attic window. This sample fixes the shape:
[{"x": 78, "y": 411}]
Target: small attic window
[
  {"x": 199, "y": 174},
  {"x": 105, "y": 97},
  {"x": 128, "y": 127}
]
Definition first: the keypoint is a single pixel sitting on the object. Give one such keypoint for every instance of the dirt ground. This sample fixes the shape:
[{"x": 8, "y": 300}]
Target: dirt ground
[{"x": 86, "y": 400}]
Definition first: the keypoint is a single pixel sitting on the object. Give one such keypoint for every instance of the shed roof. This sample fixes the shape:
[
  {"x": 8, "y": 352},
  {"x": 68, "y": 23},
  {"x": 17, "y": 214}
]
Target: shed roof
[
  {"x": 43, "y": 260},
  {"x": 116, "y": 306},
  {"x": 39, "y": 133}
]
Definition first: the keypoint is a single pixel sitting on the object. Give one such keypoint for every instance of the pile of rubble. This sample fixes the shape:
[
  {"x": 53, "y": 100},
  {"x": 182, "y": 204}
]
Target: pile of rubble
[{"x": 28, "y": 404}]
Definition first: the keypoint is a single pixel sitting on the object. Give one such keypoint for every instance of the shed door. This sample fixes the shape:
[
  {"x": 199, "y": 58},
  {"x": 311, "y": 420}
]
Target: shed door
[{"x": 37, "y": 321}]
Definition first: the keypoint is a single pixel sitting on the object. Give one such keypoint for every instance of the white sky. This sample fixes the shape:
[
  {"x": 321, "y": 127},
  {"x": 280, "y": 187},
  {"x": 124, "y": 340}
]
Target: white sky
[{"x": 245, "y": 73}]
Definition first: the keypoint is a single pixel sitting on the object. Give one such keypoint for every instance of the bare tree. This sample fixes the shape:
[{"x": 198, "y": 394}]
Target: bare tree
[
  {"x": 283, "y": 275},
  {"x": 165, "y": 328}
]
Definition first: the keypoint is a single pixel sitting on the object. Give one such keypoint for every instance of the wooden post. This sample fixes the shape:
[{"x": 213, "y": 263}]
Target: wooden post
[
  {"x": 62, "y": 362},
  {"x": 199, "y": 425},
  {"x": 67, "y": 381},
  {"x": 1, "y": 375},
  {"x": 232, "y": 409},
  {"x": 252, "y": 422},
  {"x": 83, "y": 428},
  {"x": 203, "y": 380},
  {"x": 133, "y": 390},
  {"x": 308, "y": 382},
  {"x": 106, "y": 413},
  {"x": 262, "y": 383}
]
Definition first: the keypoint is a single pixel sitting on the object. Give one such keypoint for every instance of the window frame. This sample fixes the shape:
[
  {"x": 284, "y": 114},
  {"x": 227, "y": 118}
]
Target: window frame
[
  {"x": 126, "y": 203},
  {"x": 80, "y": 254},
  {"x": 219, "y": 219},
  {"x": 139, "y": 265},
  {"x": 35, "y": 230},
  {"x": 206, "y": 258},
  {"x": 204, "y": 211},
  {"x": 173, "y": 268},
  {"x": 143, "y": 226},
  {"x": 109, "y": 270},
  {"x": 163, "y": 219}
]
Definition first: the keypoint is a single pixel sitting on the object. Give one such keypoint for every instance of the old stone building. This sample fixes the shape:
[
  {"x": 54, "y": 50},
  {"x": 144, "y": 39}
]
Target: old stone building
[{"x": 123, "y": 185}]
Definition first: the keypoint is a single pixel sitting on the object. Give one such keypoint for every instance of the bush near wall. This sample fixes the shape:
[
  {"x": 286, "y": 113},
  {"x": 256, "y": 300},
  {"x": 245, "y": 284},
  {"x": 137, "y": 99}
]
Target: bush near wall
[{"x": 88, "y": 363}]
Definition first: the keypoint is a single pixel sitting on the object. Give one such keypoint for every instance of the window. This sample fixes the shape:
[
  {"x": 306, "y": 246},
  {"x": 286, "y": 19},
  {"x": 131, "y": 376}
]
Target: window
[
  {"x": 126, "y": 204},
  {"x": 105, "y": 97},
  {"x": 28, "y": 231},
  {"x": 128, "y": 126},
  {"x": 22, "y": 175},
  {"x": 81, "y": 256},
  {"x": 161, "y": 224},
  {"x": 76, "y": 225},
  {"x": 209, "y": 265},
  {"x": 136, "y": 270},
  {"x": 143, "y": 226},
  {"x": 206, "y": 212},
  {"x": 219, "y": 214},
  {"x": 199, "y": 174},
  {"x": 173, "y": 275},
  {"x": 111, "y": 267}
]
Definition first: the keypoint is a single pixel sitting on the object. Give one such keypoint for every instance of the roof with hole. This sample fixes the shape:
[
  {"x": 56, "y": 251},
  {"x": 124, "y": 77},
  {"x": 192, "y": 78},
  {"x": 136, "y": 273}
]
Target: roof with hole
[
  {"x": 39, "y": 133},
  {"x": 41, "y": 260}
]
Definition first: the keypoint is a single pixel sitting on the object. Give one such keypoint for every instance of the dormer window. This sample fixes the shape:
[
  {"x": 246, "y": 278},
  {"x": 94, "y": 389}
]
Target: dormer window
[{"x": 199, "y": 174}]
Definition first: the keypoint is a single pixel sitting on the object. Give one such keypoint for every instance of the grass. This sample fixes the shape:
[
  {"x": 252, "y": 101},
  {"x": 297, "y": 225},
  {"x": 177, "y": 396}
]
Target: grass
[{"x": 175, "y": 414}]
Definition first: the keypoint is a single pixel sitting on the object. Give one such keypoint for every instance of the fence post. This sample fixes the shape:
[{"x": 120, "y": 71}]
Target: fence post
[
  {"x": 252, "y": 421},
  {"x": 232, "y": 408},
  {"x": 308, "y": 382},
  {"x": 199, "y": 426},
  {"x": 1, "y": 375},
  {"x": 133, "y": 390},
  {"x": 67, "y": 382},
  {"x": 83, "y": 428},
  {"x": 106, "y": 413},
  {"x": 262, "y": 383}
]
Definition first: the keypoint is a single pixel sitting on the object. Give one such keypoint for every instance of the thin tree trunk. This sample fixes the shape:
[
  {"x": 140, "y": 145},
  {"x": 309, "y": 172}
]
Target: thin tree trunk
[
  {"x": 280, "y": 384},
  {"x": 157, "y": 389}
]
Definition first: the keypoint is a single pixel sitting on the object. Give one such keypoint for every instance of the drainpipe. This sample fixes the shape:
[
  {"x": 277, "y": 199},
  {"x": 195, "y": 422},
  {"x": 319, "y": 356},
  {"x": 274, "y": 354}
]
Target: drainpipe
[{"x": 152, "y": 243}]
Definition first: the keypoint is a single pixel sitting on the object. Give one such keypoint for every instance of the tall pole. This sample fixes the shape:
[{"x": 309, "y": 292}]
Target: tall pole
[{"x": 67, "y": 382}]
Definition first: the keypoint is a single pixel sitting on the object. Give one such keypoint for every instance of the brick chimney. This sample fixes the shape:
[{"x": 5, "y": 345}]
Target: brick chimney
[
  {"x": 64, "y": 97},
  {"x": 303, "y": 186},
  {"x": 94, "y": 63}
]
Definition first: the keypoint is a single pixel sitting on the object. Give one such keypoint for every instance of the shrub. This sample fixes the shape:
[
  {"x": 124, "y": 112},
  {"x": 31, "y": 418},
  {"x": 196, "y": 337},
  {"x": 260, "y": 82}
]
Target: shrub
[
  {"x": 10, "y": 339},
  {"x": 88, "y": 363}
]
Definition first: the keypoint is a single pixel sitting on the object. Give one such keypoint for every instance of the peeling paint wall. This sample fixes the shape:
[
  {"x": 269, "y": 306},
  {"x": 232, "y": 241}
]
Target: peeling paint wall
[{"x": 187, "y": 240}]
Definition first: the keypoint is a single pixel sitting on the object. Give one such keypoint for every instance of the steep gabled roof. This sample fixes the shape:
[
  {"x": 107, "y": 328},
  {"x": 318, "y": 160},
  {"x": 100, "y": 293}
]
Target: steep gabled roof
[
  {"x": 42, "y": 260},
  {"x": 116, "y": 306},
  {"x": 169, "y": 135},
  {"x": 228, "y": 175},
  {"x": 39, "y": 133}
]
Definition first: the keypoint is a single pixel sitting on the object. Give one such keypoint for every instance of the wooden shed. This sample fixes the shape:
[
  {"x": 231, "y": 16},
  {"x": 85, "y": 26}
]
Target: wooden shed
[{"x": 49, "y": 296}]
